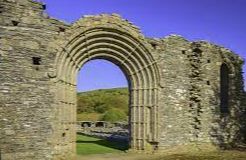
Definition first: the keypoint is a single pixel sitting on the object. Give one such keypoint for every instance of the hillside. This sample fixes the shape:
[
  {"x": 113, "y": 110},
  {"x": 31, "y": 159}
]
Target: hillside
[{"x": 103, "y": 104}]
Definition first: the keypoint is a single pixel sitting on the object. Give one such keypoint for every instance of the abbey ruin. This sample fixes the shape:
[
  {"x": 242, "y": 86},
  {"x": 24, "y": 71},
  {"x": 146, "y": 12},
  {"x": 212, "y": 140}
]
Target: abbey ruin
[{"x": 181, "y": 92}]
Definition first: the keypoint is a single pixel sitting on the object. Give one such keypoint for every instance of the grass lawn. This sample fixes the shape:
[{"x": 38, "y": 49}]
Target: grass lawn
[
  {"x": 89, "y": 145},
  {"x": 89, "y": 116},
  {"x": 96, "y": 149}
]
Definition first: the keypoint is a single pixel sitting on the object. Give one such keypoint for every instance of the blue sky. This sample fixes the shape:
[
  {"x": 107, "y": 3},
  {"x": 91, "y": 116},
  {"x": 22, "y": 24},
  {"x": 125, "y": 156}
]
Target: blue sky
[
  {"x": 98, "y": 74},
  {"x": 219, "y": 21}
]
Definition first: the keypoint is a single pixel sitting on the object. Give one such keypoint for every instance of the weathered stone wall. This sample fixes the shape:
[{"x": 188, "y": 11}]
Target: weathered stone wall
[
  {"x": 190, "y": 93},
  {"x": 174, "y": 84},
  {"x": 25, "y": 114},
  {"x": 171, "y": 54},
  {"x": 223, "y": 129}
]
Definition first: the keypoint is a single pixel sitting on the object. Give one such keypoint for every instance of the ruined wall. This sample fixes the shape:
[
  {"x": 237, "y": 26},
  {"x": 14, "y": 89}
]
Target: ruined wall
[
  {"x": 25, "y": 98},
  {"x": 171, "y": 54},
  {"x": 222, "y": 127},
  {"x": 190, "y": 93},
  {"x": 36, "y": 121}
]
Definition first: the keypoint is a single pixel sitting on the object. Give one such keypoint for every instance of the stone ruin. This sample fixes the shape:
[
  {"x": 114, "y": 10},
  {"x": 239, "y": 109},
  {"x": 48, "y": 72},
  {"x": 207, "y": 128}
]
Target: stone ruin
[
  {"x": 181, "y": 92},
  {"x": 103, "y": 124},
  {"x": 118, "y": 131}
]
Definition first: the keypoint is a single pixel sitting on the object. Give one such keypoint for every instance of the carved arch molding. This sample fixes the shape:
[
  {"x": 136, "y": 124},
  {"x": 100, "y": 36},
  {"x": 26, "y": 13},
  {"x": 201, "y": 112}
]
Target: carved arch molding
[{"x": 133, "y": 56}]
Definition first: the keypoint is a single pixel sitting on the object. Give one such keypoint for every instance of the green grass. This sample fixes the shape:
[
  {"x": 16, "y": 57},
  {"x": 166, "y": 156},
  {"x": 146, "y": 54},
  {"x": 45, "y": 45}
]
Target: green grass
[
  {"x": 89, "y": 145},
  {"x": 89, "y": 116}
]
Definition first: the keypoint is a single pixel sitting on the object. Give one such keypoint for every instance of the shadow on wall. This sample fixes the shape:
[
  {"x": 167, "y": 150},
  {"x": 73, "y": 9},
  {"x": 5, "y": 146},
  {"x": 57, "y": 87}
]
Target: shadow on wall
[
  {"x": 243, "y": 118},
  {"x": 228, "y": 128}
]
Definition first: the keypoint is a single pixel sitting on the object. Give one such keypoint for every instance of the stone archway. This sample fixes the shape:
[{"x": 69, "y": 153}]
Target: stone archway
[{"x": 123, "y": 46}]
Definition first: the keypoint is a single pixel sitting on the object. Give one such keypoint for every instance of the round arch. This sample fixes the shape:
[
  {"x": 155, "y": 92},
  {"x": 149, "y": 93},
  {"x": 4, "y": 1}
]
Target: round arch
[{"x": 125, "y": 48}]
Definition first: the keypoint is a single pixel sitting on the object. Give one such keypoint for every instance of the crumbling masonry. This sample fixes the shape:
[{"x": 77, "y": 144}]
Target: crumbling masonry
[{"x": 181, "y": 92}]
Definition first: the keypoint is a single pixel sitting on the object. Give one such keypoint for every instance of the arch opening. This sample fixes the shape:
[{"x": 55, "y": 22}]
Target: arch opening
[
  {"x": 133, "y": 58},
  {"x": 102, "y": 107}
]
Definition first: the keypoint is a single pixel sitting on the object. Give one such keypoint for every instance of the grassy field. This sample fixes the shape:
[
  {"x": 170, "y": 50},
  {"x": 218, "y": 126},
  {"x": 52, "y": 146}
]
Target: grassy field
[
  {"x": 98, "y": 149},
  {"x": 89, "y": 116},
  {"x": 90, "y": 145}
]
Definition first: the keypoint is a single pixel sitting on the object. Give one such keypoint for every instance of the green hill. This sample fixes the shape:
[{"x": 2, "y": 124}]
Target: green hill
[{"x": 103, "y": 104}]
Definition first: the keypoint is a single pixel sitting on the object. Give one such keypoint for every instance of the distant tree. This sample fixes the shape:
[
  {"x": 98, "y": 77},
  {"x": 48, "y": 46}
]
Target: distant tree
[
  {"x": 101, "y": 101},
  {"x": 84, "y": 105},
  {"x": 101, "y": 107},
  {"x": 114, "y": 115}
]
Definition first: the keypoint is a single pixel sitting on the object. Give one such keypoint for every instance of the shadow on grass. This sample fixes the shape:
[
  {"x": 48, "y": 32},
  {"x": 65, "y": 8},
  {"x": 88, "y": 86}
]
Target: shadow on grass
[{"x": 118, "y": 145}]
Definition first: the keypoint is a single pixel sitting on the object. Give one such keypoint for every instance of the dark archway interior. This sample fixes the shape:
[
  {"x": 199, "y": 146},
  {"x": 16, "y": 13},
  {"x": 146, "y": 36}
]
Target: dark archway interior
[{"x": 224, "y": 89}]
